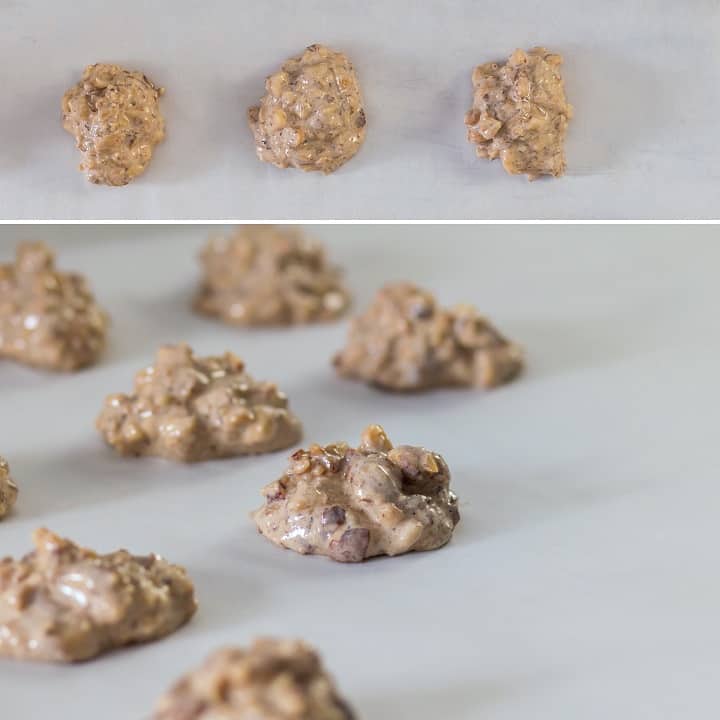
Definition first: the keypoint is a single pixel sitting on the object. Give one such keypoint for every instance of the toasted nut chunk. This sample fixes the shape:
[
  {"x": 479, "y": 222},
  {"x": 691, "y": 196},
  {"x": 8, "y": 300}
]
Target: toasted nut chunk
[
  {"x": 115, "y": 117},
  {"x": 520, "y": 113},
  {"x": 64, "y": 603},
  {"x": 352, "y": 504},
  {"x": 271, "y": 680},
  {"x": 189, "y": 409},
  {"x": 8, "y": 489},
  {"x": 404, "y": 341},
  {"x": 48, "y": 319},
  {"x": 265, "y": 275},
  {"x": 312, "y": 115}
]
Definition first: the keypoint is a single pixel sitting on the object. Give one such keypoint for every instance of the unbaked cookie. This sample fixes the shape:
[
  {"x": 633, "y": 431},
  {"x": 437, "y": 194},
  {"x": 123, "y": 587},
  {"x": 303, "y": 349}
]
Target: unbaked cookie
[
  {"x": 271, "y": 680},
  {"x": 189, "y": 409},
  {"x": 520, "y": 113},
  {"x": 354, "y": 503},
  {"x": 406, "y": 342},
  {"x": 312, "y": 115},
  {"x": 266, "y": 275},
  {"x": 114, "y": 115},
  {"x": 64, "y": 603},
  {"x": 48, "y": 318},
  {"x": 8, "y": 489}
]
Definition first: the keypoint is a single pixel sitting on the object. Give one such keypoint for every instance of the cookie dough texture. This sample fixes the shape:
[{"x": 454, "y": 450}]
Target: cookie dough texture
[
  {"x": 8, "y": 489},
  {"x": 64, "y": 603},
  {"x": 265, "y": 275},
  {"x": 520, "y": 113},
  {"x": 271, "y": 680},
  {"x": 114, "y": 115},
  {"x": 189, "y": 409},
  {"x": 48, "y": 318},
  {"x": 406, "y": 342},
  {"x": 312, "y": 115},
  {"x": 351, "y": 504}
]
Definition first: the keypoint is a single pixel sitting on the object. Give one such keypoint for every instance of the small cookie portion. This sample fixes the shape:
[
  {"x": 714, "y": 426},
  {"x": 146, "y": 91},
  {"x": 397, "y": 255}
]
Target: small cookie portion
[
  {"x": 405, "y": 342},
  {"x": 48, "y": 319},
  {"x": 312, "y": 115},
  {"x": 265, "y": 275},
  {"x": 352, "y": 504},
  {"x": 64, "y": 603},
  {"x": 114, "y": 115},
  {"x": 8, "y": 489},
  {"x": 190, "y": 409},
  {"x": 520, "y": 113},
  {"x": 271, "y": 680}
]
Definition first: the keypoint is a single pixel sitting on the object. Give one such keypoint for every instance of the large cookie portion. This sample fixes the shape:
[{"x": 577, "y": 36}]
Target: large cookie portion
[
  {"x": 406, "y": 342},
  {"x": 265, "y": 275},
  {"x": 271, "y": 680},
  {"x": 520, "y": 113},
  {"x": 352, "y": 504},
  {"x": 189, "y": 409},
  {"x": 64, "y": 603},
  {"x": 48, "y": 319},
  {"x": 8, "y": 489},
  {"x": 312, "y": 115},
  {"x": 114, "y": 115}
]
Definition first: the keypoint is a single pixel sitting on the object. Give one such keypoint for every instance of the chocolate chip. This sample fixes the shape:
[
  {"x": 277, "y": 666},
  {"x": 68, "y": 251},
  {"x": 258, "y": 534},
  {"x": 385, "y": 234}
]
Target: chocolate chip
[{"x": 352, "y": 545}]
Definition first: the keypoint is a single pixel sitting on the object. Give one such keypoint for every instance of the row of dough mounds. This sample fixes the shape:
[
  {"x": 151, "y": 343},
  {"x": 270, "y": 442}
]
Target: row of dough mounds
[
  {"x": 312, "y": 116},
  {"x": 65, "y": 603},
  {"x": 260, "y": 276}
]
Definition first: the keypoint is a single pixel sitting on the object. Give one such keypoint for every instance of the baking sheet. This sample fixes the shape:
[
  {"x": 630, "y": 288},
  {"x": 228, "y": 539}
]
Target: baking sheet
[
  {"x": 643, "y": 75},
  {"x": 581, "y": 582}
]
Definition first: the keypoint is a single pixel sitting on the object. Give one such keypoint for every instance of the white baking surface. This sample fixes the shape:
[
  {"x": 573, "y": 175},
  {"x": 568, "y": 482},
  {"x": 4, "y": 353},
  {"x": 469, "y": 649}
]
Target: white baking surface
[
  {"x": 643, "y": 75},
  {"x": 582, "y": 581}
]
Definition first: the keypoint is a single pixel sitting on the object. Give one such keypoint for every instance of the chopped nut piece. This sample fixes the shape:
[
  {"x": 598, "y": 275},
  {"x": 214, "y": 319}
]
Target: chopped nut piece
[
  {"x": 520, "y": 113},
  {"x": 190, "y": 409},
  {"x": 48, "y": 318},
  {"x": 265, "y": 275},
  {"x": 8, "y": 489},
  {"x": 312, "y": 115},
  {"x": 352, "y": 504},
  {"x": 404, "y": 341},
  {"x": 64, "y": 603},
  {"x": 115, "y": 117},
  {"x": 272, "y": 680}
]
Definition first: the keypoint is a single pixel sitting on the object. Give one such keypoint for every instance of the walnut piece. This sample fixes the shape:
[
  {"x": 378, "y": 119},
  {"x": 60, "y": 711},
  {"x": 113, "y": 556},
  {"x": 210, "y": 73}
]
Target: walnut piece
[
  {"x": 352, "y": 504},
  {"x": 190, "y": 409},
  {"x": 405, "y": 342},
  {"x": 8, "y": 489},
  {"x": 520, "y": 113},
  {"x": 265, "y": 275},
  {"x": 115, "y": 117},
  {"x": 48, "y": 319},
  {"x": 271, "y": 680},
  {"x": 312, "y": 115},
  {"x": 64, "y": 603}
]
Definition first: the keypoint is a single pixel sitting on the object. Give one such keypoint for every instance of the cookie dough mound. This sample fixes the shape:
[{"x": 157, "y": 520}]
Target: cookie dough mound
[
  {"x": 520, "y": 113},
  {"x": 271, "y": 680},
  {"x": 8, "y": 489},
  {"x": 64, "y": 603},
  {"x": 312, "y": 115},
  {"x": 115, "y": 117},
  {"x": 405, "y": 342},
  {"x": 263, "y": 275},
  {"x": 189, "y": 409},
  {"x": 351, "y": 504},
  {"x": 48, "y": 318}
]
